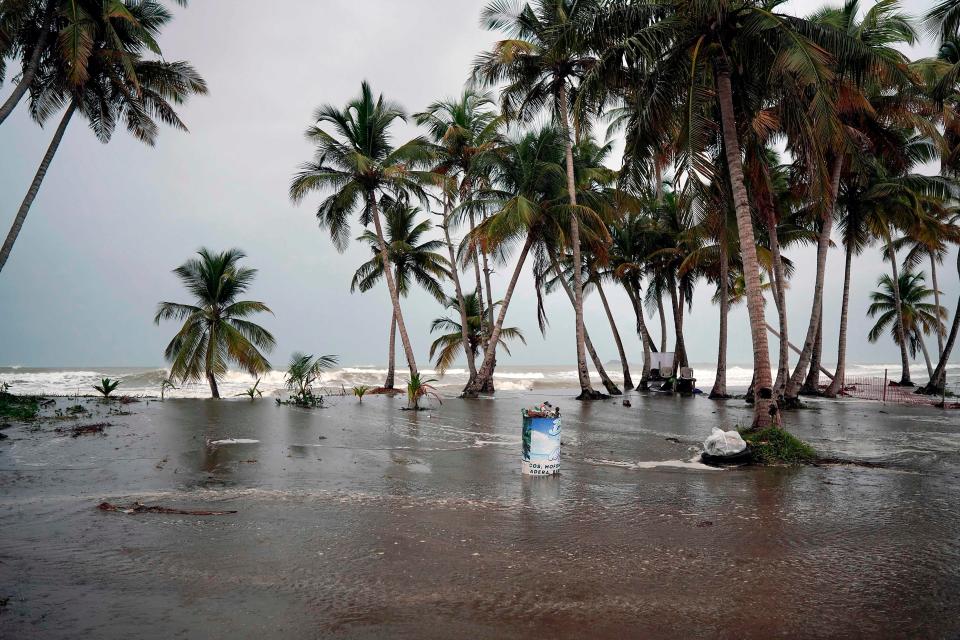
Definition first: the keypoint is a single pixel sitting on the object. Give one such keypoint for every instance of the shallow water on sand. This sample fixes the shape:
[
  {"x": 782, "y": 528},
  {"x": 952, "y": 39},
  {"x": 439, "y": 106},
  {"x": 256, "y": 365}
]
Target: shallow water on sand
[{"x": 361, "y": 520}]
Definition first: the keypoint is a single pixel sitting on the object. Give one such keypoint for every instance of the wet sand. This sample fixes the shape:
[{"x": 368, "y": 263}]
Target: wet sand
[{"x": 364, "y": 521}]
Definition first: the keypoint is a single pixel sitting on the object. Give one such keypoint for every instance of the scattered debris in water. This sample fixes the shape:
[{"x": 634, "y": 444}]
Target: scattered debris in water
[
  {"x": 84, "y": 429},
  {"x": 139, "y": 507}
]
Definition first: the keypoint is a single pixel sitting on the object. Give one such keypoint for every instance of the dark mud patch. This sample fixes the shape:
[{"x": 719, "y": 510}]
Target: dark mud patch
[
  {"x": 139, "y": 507},
  {"x": 85, "y": 429}
]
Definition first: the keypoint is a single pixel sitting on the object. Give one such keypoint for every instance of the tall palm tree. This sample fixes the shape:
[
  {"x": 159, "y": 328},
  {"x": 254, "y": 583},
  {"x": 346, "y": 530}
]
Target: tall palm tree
[
  {"x": 527, "y": 175},
  {"x": 215, "y": 331},
  {"x": 541, "y": 62},
  {"x": 919, "y": 317},
  {"x": 411, "y": 257},
  {"x": 445, "y": 347},
  {"x": 465, "y": 131},
  {"x": 117, "y": 85},
  {"x": 628, "y": 252},
  {"x": 354, "y": 165}
]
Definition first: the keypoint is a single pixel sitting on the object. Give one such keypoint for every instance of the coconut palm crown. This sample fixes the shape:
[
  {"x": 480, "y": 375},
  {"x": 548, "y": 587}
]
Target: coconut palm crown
[{"x": 215, "y": 331}]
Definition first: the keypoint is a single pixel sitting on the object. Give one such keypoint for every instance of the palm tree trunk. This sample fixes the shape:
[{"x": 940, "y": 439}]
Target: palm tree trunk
[
  {"x": 836, "y": 385},
  {"x": 488, "y": 388},
  {"x": 212, "y": 343},
  {"x": 663, "y": 324},
  {"x": 779, "y": 297},
  {"x": 486, "y": 368},
  {"x": 748, "y": 248},
  {"x": 214, "y": 391},
  {"x": 392, "y": 285},
  {"x": 680, "y": 349},
  {"x": 461, "y": 303},
  {"x": 588, "y": 344},
  {"x": 35, "y": 185},
  {"x": 936, "y": 302},
  {"x": 474, "y": 257},
  {"x": 392, "y": 355},
  {"x": 811, "y": 386},
  {"x": 926, "y": 354},
  {"x": 898, "y": 305},
  {"x": 30, "y": 71},
  {"x": 586, "y": 391},
  {"x": 792, "y": 390},
  {"x": 634, "y": 296},
  {"x": 720, "y": 383},
  {"x": 627, "y": 380},
  {"x": 938, "y": 381}
]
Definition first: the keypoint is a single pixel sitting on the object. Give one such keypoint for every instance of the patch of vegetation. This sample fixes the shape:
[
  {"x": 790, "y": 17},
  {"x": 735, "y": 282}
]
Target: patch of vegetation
[
  {"x": 419, "y": 388},
  {"x": 360, "y": 390},
  {"x": 106, "y": 387},
  {"x": 774, "y": 445},
  {"x": 19, "y": 408}
]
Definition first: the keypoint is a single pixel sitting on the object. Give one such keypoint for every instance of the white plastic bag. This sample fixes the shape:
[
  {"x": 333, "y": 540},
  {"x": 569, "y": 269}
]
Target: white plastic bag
[{"x": 723, "y": 443}]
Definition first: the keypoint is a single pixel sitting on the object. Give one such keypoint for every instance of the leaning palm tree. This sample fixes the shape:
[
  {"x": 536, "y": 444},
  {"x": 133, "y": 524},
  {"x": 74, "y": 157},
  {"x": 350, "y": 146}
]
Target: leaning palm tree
[
  {"x": 45, "y": 34},
  {"x": 355, "y": 163},
  {"x": 411, "y": 258},
  {"x": 117, "y": 85},
  {"x": 215, "y": 331},
  {"x": 920, "y": 317},
  {"x": 445, "y": 347},
  {"x": 542, "y": 62}
]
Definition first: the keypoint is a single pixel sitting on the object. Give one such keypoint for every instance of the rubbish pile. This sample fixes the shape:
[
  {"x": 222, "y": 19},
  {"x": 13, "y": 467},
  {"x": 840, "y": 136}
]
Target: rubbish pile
[
  {"x": 543, "y": 410},
  {"x": 725, "y": 447}
]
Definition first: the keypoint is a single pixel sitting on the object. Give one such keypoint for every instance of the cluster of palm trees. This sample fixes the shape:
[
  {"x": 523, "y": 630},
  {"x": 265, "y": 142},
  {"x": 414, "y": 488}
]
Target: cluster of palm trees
[
  {"x": 96, "y": 58},
  {"x": 748, "y": 132}
]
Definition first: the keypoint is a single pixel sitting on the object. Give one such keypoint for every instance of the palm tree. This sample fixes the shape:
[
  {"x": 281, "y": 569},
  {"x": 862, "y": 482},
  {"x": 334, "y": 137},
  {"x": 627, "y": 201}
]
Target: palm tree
[
  {"x": 527, "y": 174},
  {"x": 215, "y": 331},
  {"x": 920, "y": 317},
  {"x": 699, "y": 63},
  {"x": 544, "y": 57},
  {"x": 354, "y": 166},
  {"x": 117, "y": 84},
  {"x": 445, "y": 347},
  {"x": 880, "y": 30},
  {"x": 302, "y": 372},
  {"x": 465, "y": 131},
  {"x": 411, "y": 257},
  {"x": 60, "y": 34}
]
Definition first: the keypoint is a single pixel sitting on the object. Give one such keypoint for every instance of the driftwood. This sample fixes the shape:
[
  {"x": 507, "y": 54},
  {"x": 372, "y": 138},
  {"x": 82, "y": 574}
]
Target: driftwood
[{"x": 139, "y": 507}]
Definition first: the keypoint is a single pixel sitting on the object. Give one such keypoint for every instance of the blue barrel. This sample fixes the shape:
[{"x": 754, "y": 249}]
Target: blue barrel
[{"x": 541, "y": 446}]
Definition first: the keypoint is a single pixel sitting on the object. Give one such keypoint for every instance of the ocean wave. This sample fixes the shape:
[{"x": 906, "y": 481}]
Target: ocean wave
[{"x": 146, "y": 381}]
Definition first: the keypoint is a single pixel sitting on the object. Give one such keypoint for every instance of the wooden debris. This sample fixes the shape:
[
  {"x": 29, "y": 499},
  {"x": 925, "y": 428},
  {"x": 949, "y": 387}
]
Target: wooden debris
[{"x": 139, "y": 507}]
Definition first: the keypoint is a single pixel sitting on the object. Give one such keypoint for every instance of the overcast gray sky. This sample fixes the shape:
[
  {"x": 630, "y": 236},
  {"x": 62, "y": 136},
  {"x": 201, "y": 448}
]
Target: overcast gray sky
[{"x": 111, "y": 221}]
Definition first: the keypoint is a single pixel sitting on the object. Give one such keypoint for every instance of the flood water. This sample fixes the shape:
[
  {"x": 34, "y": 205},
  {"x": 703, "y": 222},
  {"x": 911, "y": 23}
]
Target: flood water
[{"x": 365, "y": 521}]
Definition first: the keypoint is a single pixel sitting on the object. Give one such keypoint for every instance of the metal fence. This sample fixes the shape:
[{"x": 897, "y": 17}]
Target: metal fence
[{"x": 883, "y": 389}]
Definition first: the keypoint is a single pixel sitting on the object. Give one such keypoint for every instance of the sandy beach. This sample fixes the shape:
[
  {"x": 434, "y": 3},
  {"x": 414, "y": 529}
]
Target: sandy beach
[{"x": 365, "y": 521}]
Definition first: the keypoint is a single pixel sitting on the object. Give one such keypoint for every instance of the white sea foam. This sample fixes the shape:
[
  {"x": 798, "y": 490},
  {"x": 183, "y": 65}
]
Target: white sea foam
[{"x": 146, "y": 381}]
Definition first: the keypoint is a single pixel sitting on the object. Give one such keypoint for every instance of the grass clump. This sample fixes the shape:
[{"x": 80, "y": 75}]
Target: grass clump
[
  {"x": 776, "y": 446},
  {"x": 19, "y": 408}
]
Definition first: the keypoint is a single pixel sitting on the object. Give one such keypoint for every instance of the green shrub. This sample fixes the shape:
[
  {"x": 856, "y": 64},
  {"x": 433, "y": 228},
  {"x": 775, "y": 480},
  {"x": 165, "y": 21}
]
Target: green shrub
[
  {"x": 776, "y": 446},
  {"x": 20, "y": 408}
]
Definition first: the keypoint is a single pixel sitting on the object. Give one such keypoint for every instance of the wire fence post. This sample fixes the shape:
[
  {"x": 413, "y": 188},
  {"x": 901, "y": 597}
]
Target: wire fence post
[{"x": 884, "y": 385}]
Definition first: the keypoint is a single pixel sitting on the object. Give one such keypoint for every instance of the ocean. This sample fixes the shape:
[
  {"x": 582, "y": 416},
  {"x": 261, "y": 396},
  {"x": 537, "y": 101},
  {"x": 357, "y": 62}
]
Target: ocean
[{"x": 145, "y": 381}]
